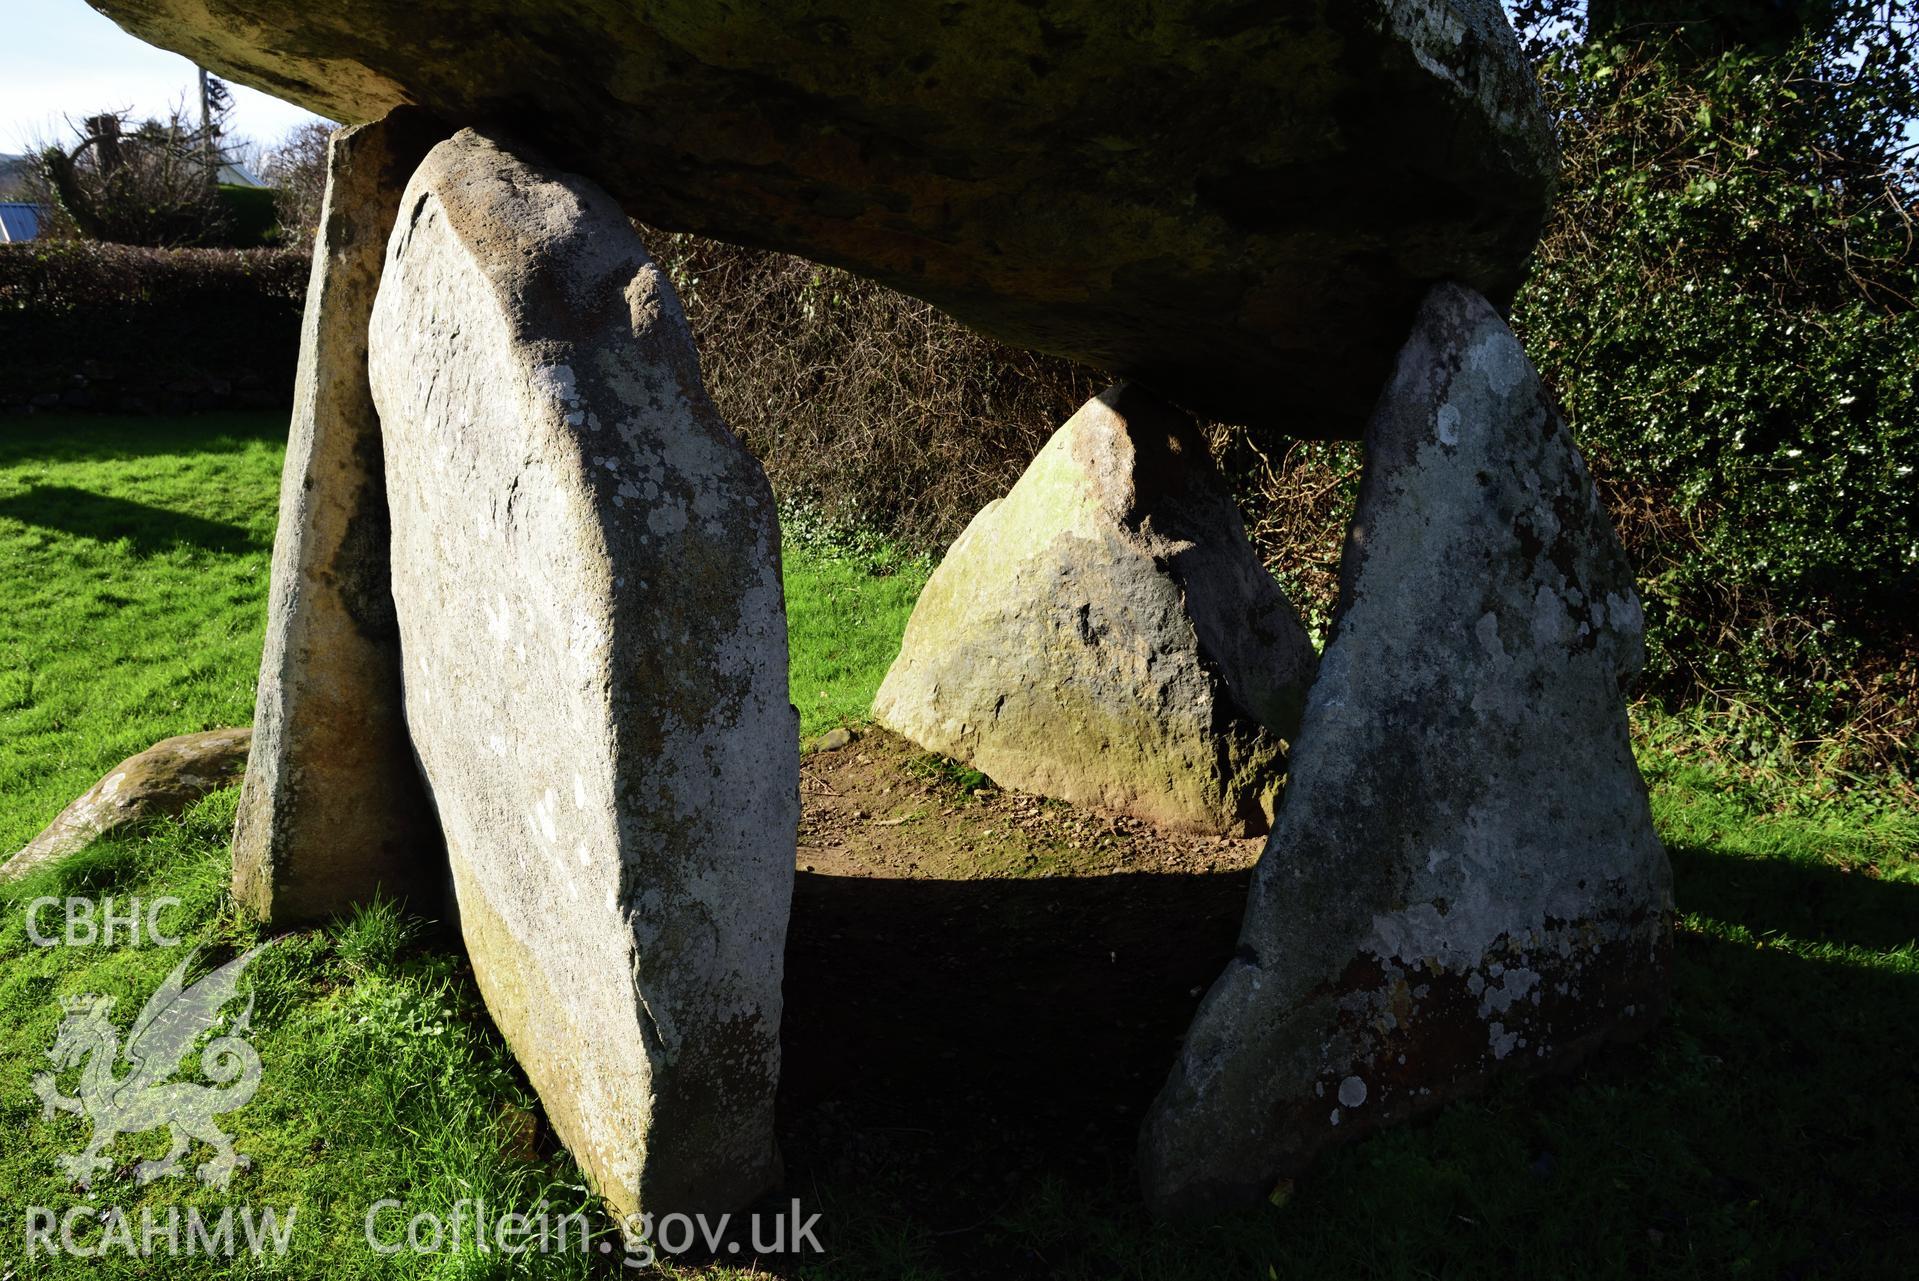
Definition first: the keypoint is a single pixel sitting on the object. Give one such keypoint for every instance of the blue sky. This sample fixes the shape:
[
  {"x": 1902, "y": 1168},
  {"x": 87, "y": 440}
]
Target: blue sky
[{"x": 60, "y": 58}]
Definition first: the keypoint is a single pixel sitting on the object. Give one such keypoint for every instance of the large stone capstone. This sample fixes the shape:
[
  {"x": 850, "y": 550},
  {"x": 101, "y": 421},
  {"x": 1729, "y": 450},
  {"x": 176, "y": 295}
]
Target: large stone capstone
[
  {"x": 1464, "y": 877},
  {"x": 332, "y": 811},
  {"x": 1213, "y": 197},
  {"x": 1105, "y": 634},
  {"x": 587, "y": 579}
]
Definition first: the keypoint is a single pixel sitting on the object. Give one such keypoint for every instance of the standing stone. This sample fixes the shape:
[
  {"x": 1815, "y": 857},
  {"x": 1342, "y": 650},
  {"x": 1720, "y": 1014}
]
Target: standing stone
[
  {"x": 1464, "y": 878},
  {"x": 587, "y": 575},
  {"x": 1104, "y": 634},
  {"x": 332, "y": 810}
]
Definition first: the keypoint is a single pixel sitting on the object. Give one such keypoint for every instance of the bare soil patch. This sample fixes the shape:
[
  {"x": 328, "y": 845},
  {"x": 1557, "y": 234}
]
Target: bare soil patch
[{"x": 983, "y": 988}]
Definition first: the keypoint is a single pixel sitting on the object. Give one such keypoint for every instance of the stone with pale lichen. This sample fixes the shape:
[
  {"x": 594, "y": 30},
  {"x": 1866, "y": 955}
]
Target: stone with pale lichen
[
  {"x": 587, "y": 578},
  {"x": 1464, "y": 879},
  {"x": 1104, "y": 634}
]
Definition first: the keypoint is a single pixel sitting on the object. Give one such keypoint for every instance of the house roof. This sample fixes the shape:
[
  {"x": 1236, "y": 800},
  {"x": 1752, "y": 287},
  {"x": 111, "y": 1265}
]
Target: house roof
[
  {"x": 235, "y": 174},
  {"x": 19, "y": 220}
]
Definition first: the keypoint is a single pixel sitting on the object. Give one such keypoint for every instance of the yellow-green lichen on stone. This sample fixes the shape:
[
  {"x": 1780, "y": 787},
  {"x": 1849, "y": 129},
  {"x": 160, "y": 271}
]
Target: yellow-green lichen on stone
[{"x": 1105, "y": 635}]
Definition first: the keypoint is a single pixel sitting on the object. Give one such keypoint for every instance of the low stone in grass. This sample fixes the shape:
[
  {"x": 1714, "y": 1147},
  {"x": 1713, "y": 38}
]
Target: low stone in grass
[
  {"x": 1464, "y": 879},
  {"x": 164, "y": 779},
  {"x": 1104, "y": 634},
  {"x": 587, "y": 579},
  {"x": 333, "y": 811}
]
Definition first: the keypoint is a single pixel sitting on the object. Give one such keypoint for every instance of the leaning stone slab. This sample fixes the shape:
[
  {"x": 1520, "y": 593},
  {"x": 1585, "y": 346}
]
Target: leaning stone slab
[
  {"x": 1464, "y": 878},
  {"x": 1104, "y": 634},
  {"x": 333, "y": 811},
  {"x": 164, "y": 779},
  {"x": 587, "y": 578}
]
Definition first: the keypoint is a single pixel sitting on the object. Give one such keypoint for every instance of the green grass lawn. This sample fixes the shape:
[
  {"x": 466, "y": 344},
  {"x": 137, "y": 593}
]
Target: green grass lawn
[
  {"x": 1766, "y": 1130},
  {"x": 846, "y": 605},
  {"x": 134, "y": 558}
]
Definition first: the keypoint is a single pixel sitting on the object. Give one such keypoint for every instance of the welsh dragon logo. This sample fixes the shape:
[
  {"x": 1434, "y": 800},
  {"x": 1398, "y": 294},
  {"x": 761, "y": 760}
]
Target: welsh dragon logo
[{"x": 146, "y": 1097}]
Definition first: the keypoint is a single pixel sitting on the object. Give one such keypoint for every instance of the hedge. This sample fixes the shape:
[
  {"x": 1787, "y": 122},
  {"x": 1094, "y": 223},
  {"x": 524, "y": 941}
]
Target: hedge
[
  {"x": 1723, "y": 302},
  {"x": 252, "y": 215},
  {"x": 85, "y": 325}
]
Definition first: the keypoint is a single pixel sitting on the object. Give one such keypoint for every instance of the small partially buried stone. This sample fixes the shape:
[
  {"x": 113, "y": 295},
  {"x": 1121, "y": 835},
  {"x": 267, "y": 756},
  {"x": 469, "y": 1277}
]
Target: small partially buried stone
[
  {"x": 1464, "y": 878},
  {"x": 587, "y": 580},
  {"x": 164, "y": 779},
  {"x": 1104, "y": 634},
  {"x": 834, "y": 739}
]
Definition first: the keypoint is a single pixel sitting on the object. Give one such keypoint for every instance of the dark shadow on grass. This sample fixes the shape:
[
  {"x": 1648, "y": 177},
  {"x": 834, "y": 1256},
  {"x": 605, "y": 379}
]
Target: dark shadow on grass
[
  {"x": 149, "y": 529},
  {"x": 1809, "y": 901},
  {"x": 950, "y": 1047},
  {"x": 972, "y": 1033},
  {"x": 966, "y": 1064},
  {"x": 1812, "y": 1065}
]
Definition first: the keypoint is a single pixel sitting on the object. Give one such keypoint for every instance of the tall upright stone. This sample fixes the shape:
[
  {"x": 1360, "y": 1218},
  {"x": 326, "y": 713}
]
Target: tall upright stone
[
  {"x": 1104, "y": 634},
  {"x": 1464, "y": 878},
  {"x": 332, "y": 810},
  {"x": 587, "y": 578}
]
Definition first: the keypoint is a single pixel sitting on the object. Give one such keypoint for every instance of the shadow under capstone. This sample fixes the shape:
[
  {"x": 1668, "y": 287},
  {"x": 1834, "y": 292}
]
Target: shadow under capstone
[{"x": 954, "y": 1037}]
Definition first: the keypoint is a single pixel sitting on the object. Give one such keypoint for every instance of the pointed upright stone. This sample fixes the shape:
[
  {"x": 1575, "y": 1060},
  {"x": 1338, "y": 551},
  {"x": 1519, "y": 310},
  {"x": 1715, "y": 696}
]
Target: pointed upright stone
[
  {"x": 587, "y": 578},
  {"x": 332, "y": 811},
  {"x": 1105, "y": 635},
  {"x": 1464, "y": 878}
]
